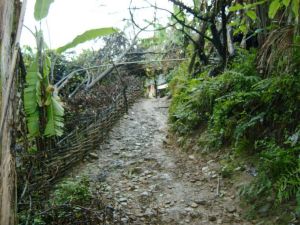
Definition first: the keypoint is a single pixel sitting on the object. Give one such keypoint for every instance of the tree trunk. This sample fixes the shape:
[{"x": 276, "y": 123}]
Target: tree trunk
[
  {"x": 9, "y": 41},
  {"x": 263, "y": 22},
  {"x": 230, "y": 44}
]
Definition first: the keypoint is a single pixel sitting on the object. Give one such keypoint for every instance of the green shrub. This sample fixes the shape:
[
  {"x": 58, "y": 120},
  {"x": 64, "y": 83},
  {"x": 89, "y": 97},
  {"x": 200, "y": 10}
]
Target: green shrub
[
  {"x": 282, "y": 166},
  {"x": 69, "y": 200},
  {"x": 278, "y": 174},
  {"x": 182, "y": 113},
  {"x": 194, "y": 98},
  {"x": 72, "y": 192},
  {"x": 269, "y": 109}
]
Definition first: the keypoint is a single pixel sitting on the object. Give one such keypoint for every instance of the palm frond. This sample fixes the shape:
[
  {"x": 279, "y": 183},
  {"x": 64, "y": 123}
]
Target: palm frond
[{"x": 277, "y": 46}]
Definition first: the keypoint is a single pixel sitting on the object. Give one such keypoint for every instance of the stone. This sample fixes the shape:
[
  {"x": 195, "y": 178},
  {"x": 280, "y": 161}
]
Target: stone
[
  {"x": 230, "y": 208},
  {"x": 219, "y": 221},
  {"x": 149, "y": 212},
  {"x": 210, "y": 162},
  {"x": 93, "y": 155},
  {"x": 205, "y": 169},
  {"x": 201, "y": 201},
  {"x": 196, "y": 214},
  {"x": 192, "y": 157},
  {"x": 124, "y": 220},
  {"x": 165, "y": 142},
  {"x": 194, "y": 205},
  {"x": 131, "y": 188},
  {"x": 172, "y": 204},
  {"x": 212, "y": 218},
  {"x": 188, "y": 209},
  {"x": 214, "y": 175},
  {"x": 145, "y": 194},
  {"x": 137, "y": 170},
  {"x": 122, "y": 200},
  {"x": 147, "y": 172}
]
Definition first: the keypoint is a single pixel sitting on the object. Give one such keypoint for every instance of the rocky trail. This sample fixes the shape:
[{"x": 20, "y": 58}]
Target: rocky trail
[{"x": 146, "y": 180}]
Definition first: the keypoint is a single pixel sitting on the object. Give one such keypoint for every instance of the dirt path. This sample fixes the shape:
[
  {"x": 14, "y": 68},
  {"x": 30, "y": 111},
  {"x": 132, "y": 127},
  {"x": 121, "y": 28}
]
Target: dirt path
[{"x": 148, "y": 182}]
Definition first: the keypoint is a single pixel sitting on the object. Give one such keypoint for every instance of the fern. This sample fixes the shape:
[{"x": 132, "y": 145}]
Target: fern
[{"x": 255, "y": 116}]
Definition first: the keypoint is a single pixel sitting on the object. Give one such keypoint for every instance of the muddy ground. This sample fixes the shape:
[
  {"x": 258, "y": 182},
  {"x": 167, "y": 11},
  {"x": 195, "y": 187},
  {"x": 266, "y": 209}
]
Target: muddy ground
[{"x": 145, "y": 179}]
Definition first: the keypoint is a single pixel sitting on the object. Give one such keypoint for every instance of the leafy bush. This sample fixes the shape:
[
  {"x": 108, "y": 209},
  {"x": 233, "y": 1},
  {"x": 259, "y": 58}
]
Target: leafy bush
[
  {"x": 72, "y": 192},
  {"x": 71, "y": 203},
  {"x": 194, "y": 98},
  {"x": 267, "y": 108},
  {"x": 278, "y": 176},
  {"x": 183, "y": 116},
  {"x": 282, "y": 166},
  {"x": 263, "y": 121}
]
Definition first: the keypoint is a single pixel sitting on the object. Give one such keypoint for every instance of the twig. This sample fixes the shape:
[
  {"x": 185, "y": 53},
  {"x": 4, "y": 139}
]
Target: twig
[
  {"x": 30, "y": 209},
  {"x": 24, "y": 191},
  {"x": 218, "y": 186},
  {"x": 59, "y": 85}
]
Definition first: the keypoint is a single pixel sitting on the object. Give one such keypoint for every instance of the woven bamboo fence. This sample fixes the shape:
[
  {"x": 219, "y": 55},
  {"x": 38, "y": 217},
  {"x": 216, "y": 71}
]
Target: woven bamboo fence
[{"x": 39, "y": 171}]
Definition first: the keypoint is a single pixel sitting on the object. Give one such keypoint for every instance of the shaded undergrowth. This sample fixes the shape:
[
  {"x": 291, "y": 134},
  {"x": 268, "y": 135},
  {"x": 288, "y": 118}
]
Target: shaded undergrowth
[
  {"x": 252, "y": 116},
  {"x": 73, "y": 201}
]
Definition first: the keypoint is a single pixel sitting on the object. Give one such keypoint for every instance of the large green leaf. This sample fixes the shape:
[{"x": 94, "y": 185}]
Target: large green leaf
[
  {"x": 87, "y": 36},
  {"x": 286, "y": 2},
  {"x": 33, "y": 124},
  {"x": 41, "y": 8},
  {"x": 236, "y": 7},
  {"x": 274, "y": 7},
  {"x": 32, "y": 95},
  {"x": 251, "y": 14},
  {"x": 295, "y": 7},
  {"x": 55, "y": 113}
]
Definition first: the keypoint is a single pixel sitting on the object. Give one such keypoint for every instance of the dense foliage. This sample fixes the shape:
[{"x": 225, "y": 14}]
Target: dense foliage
[
  {"x": 254, "y": 115},
  {"x": 227, "y": 94},
  {"x": 240, "y": 88}
]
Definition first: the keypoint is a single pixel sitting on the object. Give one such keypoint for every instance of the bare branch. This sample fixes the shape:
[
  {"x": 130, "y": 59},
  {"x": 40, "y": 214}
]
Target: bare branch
[{"x": 189, "y": 10}]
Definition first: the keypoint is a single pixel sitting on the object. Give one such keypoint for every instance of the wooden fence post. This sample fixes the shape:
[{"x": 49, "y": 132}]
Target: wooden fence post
[{"x": 11, "y": 23}]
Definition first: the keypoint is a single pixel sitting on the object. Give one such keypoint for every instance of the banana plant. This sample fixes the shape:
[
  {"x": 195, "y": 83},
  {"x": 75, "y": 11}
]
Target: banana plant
[{"x": 43, "y": 107}]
